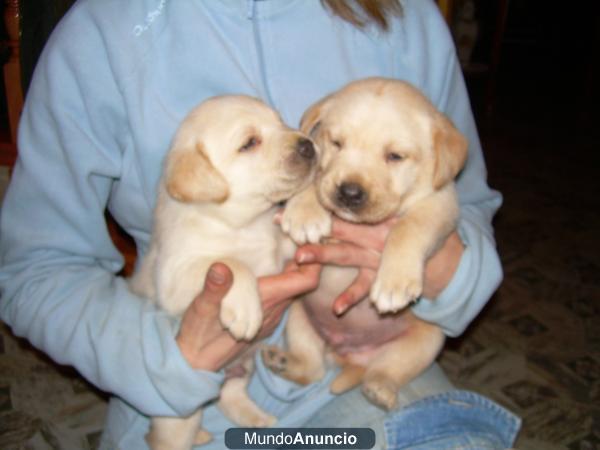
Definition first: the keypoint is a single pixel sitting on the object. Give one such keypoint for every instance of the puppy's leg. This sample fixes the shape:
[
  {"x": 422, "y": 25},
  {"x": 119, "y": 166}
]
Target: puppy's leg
[
  {"x": 350, "y": 376},
  {"x": 241, "y": 309},
  {"x": 411, "y": 242},
  {"x": 400, "y": 361},
  {"x": 180, "y": 281},
  {"x": 237, "y": 404},
  {"x": 304, "y": 362},
  {"x": 304, "y": 218},
  {"x": 176, "y": 433}
]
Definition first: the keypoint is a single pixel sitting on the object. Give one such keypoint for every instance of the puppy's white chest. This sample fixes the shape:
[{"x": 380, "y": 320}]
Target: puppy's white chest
[{"x": 263, "y": 254}]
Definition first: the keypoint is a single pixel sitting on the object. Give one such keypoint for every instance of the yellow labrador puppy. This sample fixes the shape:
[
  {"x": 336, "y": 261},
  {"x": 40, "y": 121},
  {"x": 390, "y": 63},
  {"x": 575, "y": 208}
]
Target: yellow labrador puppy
[
  {"x": 386, "y": 152},
  {"x": 231, "y": 162}
]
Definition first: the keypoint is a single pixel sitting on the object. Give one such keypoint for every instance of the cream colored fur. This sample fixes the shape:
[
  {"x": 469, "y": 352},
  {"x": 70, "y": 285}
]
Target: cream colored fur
[
  {"x": 386, "y": 152},
  {"x": 231, "y": 162}
]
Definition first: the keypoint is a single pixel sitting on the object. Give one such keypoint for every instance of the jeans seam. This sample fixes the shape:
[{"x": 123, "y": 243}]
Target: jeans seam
[{"x": 508, "y": 422}]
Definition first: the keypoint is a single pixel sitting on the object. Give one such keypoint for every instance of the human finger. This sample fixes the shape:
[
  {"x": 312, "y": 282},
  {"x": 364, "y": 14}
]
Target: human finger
[
  {"x": 217, "y": 352},
  {"x": 440, "y": 268},
  {"x": 296, "y": 280},
  {"x": 339, "y": 254},
  {"x": 217, "y": 283},
  {"x": 200, "y": 323},
  {"x": 363, "y": 235},
  {"x": 272, "y": 319},
  {"x": 207, "y": 304},
  {"x": 356, "y": 292}
]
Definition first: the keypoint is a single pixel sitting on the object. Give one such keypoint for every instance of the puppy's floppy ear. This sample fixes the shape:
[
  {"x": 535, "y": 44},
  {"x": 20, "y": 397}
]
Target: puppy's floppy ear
[
  {"x": 450, "y": 151},
  {"x": 311, "y": 119},
  {"x": 190, "y": 177}
]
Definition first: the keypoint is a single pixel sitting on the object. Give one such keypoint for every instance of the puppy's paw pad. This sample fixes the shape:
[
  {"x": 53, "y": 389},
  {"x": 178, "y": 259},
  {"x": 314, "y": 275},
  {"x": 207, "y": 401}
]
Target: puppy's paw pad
[
  {"x": 275, "y": 359},
  {"x": 381, "y": 392}
]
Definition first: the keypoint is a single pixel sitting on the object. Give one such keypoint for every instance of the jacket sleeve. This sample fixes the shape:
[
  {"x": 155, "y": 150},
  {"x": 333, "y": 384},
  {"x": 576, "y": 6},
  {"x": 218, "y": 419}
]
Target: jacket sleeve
[
  {"x": 57, "y": 277},
  {"x": 479, "y": 272}
]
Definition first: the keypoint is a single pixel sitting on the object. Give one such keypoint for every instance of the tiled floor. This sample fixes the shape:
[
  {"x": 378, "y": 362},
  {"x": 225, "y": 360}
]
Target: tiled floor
[{"x": 534, "y": 349}]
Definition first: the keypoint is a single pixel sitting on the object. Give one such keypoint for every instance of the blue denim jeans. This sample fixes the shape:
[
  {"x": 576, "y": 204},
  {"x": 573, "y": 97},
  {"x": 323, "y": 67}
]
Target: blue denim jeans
[
  {"x": 453, "y": 420},
  {"x": 432, "y": 415}
]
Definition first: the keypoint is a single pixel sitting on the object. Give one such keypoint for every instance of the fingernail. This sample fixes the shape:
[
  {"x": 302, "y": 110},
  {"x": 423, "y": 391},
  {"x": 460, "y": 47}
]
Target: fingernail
[
  {"x": 305, "y": 257},
  {"x": 215, "y": 276},
  {"x": 340, "y": 309}
]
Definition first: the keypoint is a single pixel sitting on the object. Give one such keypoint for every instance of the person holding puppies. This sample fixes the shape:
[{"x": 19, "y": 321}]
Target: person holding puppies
[{"x": 110, "y": 89}]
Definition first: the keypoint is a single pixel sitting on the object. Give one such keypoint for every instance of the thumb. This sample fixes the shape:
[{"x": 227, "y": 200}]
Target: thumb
[{"x": 218, "y": 281}]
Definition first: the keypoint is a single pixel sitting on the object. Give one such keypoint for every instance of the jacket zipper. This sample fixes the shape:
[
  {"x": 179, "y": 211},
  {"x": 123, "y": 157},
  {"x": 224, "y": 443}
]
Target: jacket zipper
[{"x": 258, "y": 43}]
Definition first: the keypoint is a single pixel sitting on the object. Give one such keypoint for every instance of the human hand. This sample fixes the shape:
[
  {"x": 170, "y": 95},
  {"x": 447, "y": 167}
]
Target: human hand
[
  {"x": 203, "y": 341},
  {"x": 361, "y": 246}
]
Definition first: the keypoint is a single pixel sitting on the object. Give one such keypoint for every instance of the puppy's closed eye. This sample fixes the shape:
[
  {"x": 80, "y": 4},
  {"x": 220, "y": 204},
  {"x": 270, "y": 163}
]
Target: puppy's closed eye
[
  {"x": 251, "y": 143},
  {"x": 393, "y": 157},
  {"x": 337, "y": 143}
]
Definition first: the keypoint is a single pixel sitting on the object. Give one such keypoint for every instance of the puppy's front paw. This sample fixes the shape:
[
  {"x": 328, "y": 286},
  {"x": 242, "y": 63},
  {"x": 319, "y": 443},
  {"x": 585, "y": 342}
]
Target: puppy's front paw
[
  {"x": 241, "y": 314},
  {"x": 396, "y": 288},
  {"x": 305, "y": 222}
]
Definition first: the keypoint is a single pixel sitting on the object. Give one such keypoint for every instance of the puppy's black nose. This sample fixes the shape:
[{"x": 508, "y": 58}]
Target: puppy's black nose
[
  {"x": 351, "y": 195},
  {"x": 305, "y": 148}
]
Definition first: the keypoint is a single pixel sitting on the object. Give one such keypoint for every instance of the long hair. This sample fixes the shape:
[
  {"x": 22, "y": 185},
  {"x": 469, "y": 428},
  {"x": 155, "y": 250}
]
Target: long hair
[{"x": 361, "y": 12}]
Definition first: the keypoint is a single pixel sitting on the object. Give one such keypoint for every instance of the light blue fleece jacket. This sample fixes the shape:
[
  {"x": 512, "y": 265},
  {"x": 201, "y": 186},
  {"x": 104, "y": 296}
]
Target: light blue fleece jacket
[{"x": 112, "y": 85}]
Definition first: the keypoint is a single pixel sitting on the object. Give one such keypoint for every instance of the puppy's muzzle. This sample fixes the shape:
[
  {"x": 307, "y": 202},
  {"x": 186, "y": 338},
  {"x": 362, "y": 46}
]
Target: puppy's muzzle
[
  {"x": 351, "y": 195},
  {"x": 306, "y": 149}
]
